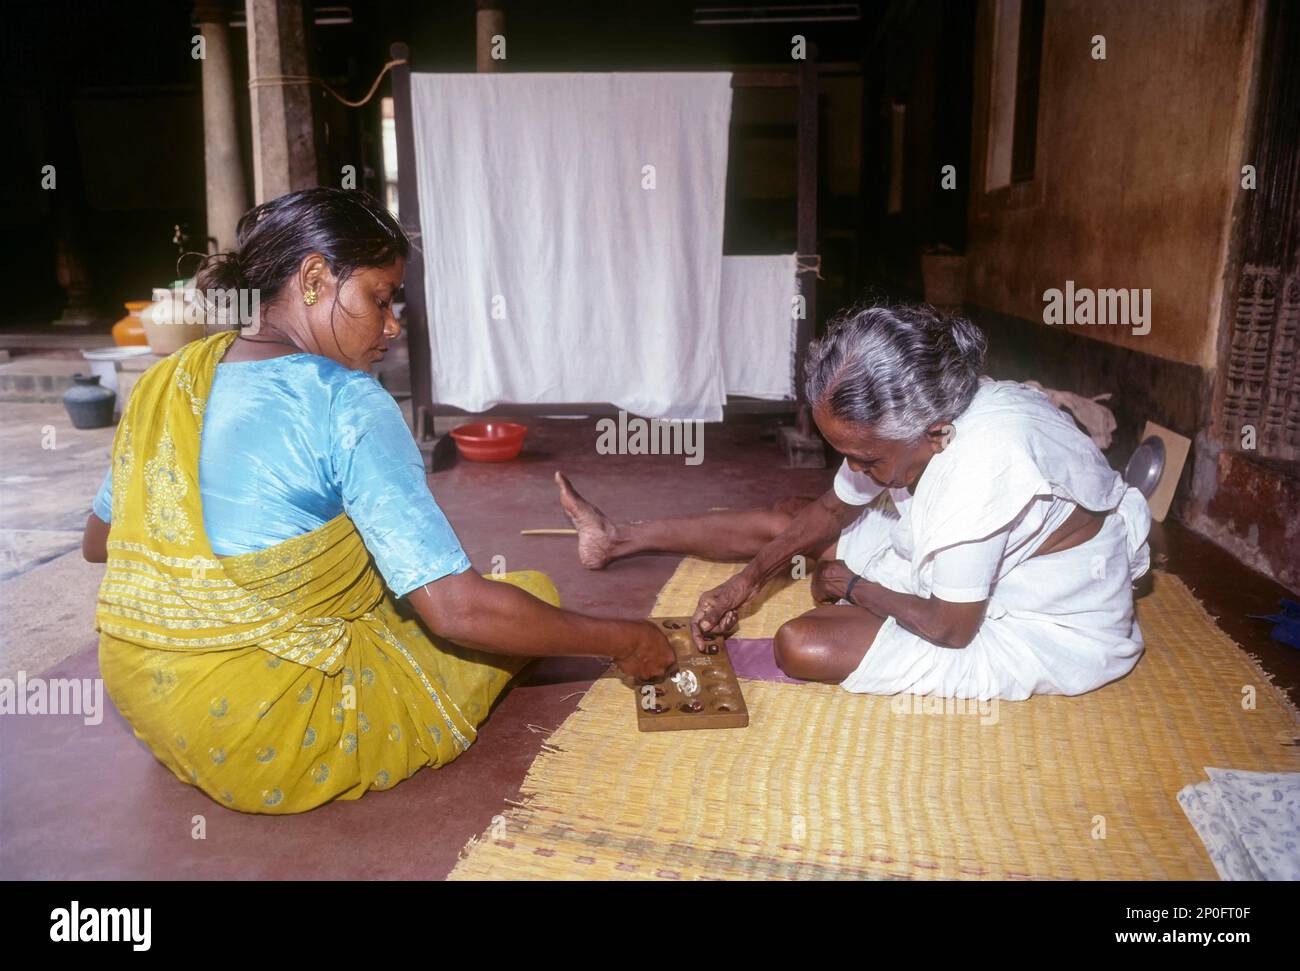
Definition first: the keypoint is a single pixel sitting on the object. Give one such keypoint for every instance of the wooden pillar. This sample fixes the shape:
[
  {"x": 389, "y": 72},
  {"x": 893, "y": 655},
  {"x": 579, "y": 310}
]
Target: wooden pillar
[
  {"x": 223, "y": 169},
  {"x": 491, "y": 22},
  {"x": 284, "y": 111},
  {"x": 414, "y": 318},
  {"x": 806, "y": 231}
]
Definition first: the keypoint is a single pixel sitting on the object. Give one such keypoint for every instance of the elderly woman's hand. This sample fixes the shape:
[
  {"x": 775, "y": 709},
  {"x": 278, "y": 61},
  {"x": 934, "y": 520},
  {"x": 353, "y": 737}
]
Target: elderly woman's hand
[
  {"x": 830, "y": 580},
  {"x": 718, "y": 610}
]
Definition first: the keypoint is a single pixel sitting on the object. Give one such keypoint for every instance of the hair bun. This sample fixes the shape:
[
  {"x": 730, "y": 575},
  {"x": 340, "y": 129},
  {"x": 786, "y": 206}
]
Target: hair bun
[
  {"x": 220, "y": 271},
  {"x": 972, "y": 345}
]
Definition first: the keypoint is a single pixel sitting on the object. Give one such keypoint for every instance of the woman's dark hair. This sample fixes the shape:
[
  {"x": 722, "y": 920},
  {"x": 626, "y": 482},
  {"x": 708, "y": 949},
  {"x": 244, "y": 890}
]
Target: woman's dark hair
[
  {"x": 349, "y": 228},
  {"x": 898, "y": 369}
]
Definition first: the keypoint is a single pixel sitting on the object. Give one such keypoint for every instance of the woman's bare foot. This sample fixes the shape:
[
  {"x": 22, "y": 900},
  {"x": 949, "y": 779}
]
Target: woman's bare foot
[{"x": 595, "y": 531}]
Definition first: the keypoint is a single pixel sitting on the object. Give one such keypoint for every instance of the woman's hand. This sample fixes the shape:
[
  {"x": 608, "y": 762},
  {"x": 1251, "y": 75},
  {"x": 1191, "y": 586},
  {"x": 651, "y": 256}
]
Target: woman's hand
[
  {"x": 830, "y": 580},
  {"x": 651, "y": 657},
  {"x": 718, "y": 611}
]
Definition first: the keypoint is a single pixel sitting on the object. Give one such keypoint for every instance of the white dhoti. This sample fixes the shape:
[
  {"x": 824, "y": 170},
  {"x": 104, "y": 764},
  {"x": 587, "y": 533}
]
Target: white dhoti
[{"x": 1056, "y": 624}]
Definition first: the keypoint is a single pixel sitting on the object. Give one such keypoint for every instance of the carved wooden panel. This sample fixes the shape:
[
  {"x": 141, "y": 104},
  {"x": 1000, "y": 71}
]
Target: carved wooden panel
[
  {"x": 1262, "y": 377},
  {"x": 1259, "y": 404}
]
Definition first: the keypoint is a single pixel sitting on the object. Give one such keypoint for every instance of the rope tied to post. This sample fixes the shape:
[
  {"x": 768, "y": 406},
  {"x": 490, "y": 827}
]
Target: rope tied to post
[
  {"x": 287, "y": 80},
  {"x": 814, "y": 264}
]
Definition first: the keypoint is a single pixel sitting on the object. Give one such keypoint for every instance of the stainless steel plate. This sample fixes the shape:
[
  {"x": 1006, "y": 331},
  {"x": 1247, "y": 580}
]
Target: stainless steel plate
[{"x": 1147, "y": 465}]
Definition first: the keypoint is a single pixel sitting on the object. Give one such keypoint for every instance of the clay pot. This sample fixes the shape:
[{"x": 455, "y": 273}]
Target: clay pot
[
  {"x": 129, "y": 331},
  {"x": 89, "y": 405},
  {"x": 164, "y": 322}
]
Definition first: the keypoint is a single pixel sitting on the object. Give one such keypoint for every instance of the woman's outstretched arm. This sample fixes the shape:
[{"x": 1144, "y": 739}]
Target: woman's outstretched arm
[
  {"x": 811, "y": 530},
  {"x": 503, "y": 619}
]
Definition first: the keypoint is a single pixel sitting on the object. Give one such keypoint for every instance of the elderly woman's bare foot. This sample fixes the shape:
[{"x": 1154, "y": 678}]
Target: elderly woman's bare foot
[{"x": 595, "y": 531}]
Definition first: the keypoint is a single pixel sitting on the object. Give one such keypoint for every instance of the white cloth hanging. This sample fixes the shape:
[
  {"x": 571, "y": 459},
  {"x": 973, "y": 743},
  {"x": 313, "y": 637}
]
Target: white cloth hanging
[
  {"x": 572, "y": 237},
  {"x": 757, "y": 325}
]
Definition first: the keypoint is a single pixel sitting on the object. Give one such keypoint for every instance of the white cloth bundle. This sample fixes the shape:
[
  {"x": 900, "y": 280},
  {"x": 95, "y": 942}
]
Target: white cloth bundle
[
  {"x": 1248, "y": 821},
  {"x": 560, "y": 267},
  {"x": 1097, "y": 420},
  {"x": 757, "y": 325}
]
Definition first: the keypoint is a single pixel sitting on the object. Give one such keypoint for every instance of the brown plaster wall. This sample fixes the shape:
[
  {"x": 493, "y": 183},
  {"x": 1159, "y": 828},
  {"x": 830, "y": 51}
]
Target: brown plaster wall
[
  {"x": 1138, "y": 165},
  {"x": 1137, "y": 178}
]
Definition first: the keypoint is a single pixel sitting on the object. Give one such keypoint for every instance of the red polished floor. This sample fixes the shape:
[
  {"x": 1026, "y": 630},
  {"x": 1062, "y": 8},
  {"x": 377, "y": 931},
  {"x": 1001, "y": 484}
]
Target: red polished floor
[
  {"x": 81, "y": 801},
  {"x": 90, "y": 802}
]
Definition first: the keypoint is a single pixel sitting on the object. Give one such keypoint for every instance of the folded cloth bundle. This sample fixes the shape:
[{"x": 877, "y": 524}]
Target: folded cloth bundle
[{"x": 1248, "y": 821}]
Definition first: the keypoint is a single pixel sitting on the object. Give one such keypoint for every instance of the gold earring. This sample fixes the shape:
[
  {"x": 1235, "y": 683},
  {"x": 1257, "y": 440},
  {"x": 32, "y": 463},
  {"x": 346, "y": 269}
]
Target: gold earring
[{"x": 309, "y": 298}]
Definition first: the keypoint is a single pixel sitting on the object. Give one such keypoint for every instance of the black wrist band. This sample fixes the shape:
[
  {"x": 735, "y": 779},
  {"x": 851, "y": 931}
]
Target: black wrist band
[{"x": 848, "y": 591}]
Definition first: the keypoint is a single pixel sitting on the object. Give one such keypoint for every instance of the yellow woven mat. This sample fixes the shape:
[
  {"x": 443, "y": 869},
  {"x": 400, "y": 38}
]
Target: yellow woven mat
[{"x": 827, "y": 784}]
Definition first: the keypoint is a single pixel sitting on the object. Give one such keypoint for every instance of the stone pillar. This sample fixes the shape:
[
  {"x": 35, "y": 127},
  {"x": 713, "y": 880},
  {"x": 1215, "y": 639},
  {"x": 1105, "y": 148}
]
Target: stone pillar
[
  {"x": 223, "y": 169},
  {"x": 491, "y": 21},
  {"x": 284, "y": 114}
]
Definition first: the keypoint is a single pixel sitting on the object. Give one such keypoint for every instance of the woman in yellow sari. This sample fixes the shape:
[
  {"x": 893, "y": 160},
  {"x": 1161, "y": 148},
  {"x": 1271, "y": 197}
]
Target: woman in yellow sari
[{"x": 265, "y": 510}]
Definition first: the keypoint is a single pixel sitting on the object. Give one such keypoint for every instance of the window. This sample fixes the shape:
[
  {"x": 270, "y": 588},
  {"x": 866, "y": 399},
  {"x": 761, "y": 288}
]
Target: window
[
  {"x": 1013, "y": 101},
  {"x": 1029, "y": 58}
]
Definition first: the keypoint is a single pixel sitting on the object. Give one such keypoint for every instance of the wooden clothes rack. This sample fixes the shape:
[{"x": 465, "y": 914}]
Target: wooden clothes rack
[{"x": 424, "y": 407}]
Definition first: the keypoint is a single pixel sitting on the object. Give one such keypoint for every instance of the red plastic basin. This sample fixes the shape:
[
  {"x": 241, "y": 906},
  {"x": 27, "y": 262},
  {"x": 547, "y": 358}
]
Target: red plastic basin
[{"x": 490, "y": 441}]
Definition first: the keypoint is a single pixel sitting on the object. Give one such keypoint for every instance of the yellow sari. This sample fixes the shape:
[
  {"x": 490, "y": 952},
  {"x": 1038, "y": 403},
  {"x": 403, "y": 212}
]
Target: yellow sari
[{"x": 277, "y": 680}]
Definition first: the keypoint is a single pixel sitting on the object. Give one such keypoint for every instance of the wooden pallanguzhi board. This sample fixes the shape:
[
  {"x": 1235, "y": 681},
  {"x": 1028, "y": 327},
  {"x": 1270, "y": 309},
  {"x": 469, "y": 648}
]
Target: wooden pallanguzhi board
[{"x": 719, "y": 703}]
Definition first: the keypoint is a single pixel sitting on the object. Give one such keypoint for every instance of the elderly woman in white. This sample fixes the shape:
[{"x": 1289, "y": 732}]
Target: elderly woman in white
[{"x": 1003, "y": 566}]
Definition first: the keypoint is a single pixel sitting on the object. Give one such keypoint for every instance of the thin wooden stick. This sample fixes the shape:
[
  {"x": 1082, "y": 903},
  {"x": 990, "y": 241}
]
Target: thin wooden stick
[{"x": 548, "y": 532}]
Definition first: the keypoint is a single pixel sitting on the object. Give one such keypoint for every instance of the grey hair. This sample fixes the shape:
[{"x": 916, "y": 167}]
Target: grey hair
[{"x": 898, "y": 369}]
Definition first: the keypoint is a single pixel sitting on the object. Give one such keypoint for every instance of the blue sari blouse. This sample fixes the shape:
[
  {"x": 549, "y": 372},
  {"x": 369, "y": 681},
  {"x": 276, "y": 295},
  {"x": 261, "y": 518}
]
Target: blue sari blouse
[{"x": 290, "y": 442}]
